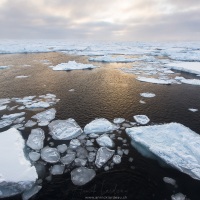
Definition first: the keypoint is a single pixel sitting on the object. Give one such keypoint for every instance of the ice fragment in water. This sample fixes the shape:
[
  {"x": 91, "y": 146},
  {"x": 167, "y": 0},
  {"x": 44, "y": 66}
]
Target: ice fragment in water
[
  {"x": 31, "y": 192},
  {"x": 57, "y": 169},
  {"x": 30, "y": 123},
  {"x": 105, "y": 141},
  {"x": 3, "y": 107},
  {"x": 34, "y": 156},
  {"x": 13, "y": 116},
  {"x": 169, "y": 180},
  {"x": 62, "y": 148},
  {"x": 64, "y": 129},
  {"x": 50, "y": 155},
  {"x": 67, "y": 159},
  {"x": 74, "y": 143},
  {"x": 100, "y": 125},
  {"x": 4, "y": 123},
  {"x": 193, "y": 109},
  {"x": 147, "y": 95},
  {"x": 117, "y": 159},
  {"x": 81, "y": 152},
  {"x": 36, "y": 139},
  {"x": 118, "y": 120},
  {"x": 178, "y": 196},
  {"x": 141, "y": 119},
  {"x": 103, "y": 155},
  {"x": 80, "y": 162},
  {"x": 82, "y": 175}
]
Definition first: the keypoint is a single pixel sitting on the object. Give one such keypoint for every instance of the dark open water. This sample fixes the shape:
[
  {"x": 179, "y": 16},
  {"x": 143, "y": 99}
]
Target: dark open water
[{"x": 109, "y": 93}]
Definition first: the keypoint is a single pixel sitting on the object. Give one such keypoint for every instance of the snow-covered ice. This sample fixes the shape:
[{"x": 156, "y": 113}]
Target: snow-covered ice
[
  {"x": 100, "y": 125},
  {"x": 82, "y": 175},
  {"x": 118, "y": 120},
  {"x": 74, "y": 143},
  {"x": 50, "y": 155},
  {"x": 36, "y": 139},
  {"x": 13, "y": 116},
  {"x": 117, "y": 159},
  {"x": 147, "y": 95},
  {"x": 40, "y": 104},
  {"x": 103, "y": 155},
  {"x": 16, "y": 171},
  {"x": 3, "y": 107},
  {"x": 30, "y": 123},
  {"x": 72, "y": 65},
  {"x": 154, "y": 80},
  {"x": 141, "y": 119},
  {"x": 174, "y": 143},
  {"x": 190, "y": 81},
  {"x": 62, "y": 148},
  {"x": 4, "y": 123},
  {"x": 64, "y": 129},
  {"x": 105, "y": 141}
]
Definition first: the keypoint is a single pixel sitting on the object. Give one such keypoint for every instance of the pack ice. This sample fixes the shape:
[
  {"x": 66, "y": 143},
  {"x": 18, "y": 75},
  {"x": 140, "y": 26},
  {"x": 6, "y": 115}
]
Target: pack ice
[
  {"x": 100, "y": 125},
  {"x": 64, "y": 129},
  {"x": 72, "y": 65},
  {"x": 16, "y": 172},
  {"x": 174, "y": 143}
]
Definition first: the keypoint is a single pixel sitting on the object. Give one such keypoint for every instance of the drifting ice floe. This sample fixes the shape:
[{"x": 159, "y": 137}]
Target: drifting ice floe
[
  {"x": 13, "y": 116},
  {"x": 45, "y": 116},
  {"x": 100, "y": 125},
  {"x": 178, "y": 196},
  {"x": 105, "y": 141},
  {"x": 118, "y": 120},
  {"x": 50, "y": 155},
  {"x": 17, "y": 174},
  {"x": 174, "y": 143},
  {"x": 64, "y": 129},
  {"x": 116, "y": 159},
  {"x": 108, "y": 58},
  {"x": 4, "y": 67},
  {"x": 62, "y": 148},
  {"x": 190, "y": 67},
  {"x": 141, "y": 119},
  {"x": 147, "y": 95},
  {"x": 82, "y": 175},
  {"x": 190, "y": 81},
  {"x": 154, "y": 80},
  {"x": 3, "y": 107},
  {"x": 103, "y": 155},
  {"x": 4, "y": 123},
  {"x": 31, "y": 192},
  {"x": 22, "y": 76},
  {"x": 193, "y": 109},
  {"x": 57, "y": 169},
  {"x": 30, "y": 123},
  {"x": 37, "y": 105},
  {"x": 34, "y": 156},
  {"x": 36, "y": 139},
  {"x": 68, "y": 158},
  {"x": 72, "y": 65},
  {"x": 169, "y": 180}
]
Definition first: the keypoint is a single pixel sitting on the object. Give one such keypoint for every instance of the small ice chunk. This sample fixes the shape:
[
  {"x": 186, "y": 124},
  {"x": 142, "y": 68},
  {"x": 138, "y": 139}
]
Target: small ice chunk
[
  {"x": 81, "y": 152},
  {"x": 13, "y": 116},
  {"x": 100, "y": 125},
  {"x": 93, "y": 135},
  {"x": 103, "y": 155},
  {"x": 46, "y": 115},
  {"x": 34, "y": 156},
  {"x": 82, "y": 175},
  {"x": 71, "y": 90},
  {"x": 57, "y": 169},
  {"x": 31, "y": 192},
  {"x": 191, "y": 81},
  {"x": 126, "y": 125},
  {"x": 106, "y": 168},
  {"x": 40, "y": 104},
  {"x": 74, "y": 143},
  {"x": 117, "y": 159},
  {"x": 80, "y": 162},
  {"x": 89, "y": 143},
  {"x": 105, "y": 141},
  {"x": 126, "y": 151},
  {"x": 91, "y": 156},
  {"x": 193, "y": 109},
  {"x": 147, "y": 95},
  {"x": 118, "y": 120},
  {"x": 178, "y": 196},
  {"x": 21, "y": 76},
  {"x": 3, "y": 107},
  {"x": 64, "y": 129},
  {"x": 169, "y": 180},
  {"x": 141, "y": 119},
  {"x": 142, "y": 102},
  {"x": 130, "y": 159},
  {"x": 36, "y": 139},
  {"x": 4, "y": 101},
  {"x": 19, "y": 120},
  {"x": 4, "y": 123},
  {"x": 50, "y": 155},
  {"x": 67, "y": 159},
  {"x": 21, "y": 107},
  {"x": 62, "y": 148},
  {"x": 30, "y": 123},
  {"x": 4, "y": 67},
  {"x": 43, "y": 123}
]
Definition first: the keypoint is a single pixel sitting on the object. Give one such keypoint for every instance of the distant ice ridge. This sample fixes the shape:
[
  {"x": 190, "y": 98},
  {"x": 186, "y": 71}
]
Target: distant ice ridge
[
  {"x": 72, "y": 65},
  {"x": 174, "y": 143},
  {"x": 16, "y": 172}
]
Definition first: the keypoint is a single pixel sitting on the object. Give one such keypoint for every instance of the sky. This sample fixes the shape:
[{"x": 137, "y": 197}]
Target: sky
[{"x": 127, "y": 20}]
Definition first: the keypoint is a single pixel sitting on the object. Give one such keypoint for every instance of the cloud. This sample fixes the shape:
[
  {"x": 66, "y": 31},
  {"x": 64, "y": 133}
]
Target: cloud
[{"x": 101, "y": 19}]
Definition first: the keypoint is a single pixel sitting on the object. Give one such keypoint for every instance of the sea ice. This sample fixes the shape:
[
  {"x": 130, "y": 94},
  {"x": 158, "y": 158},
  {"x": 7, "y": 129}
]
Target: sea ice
[
  {"x": 117, "y": 159},
  {"x": 81, "y": 152},
  {"x": 36, "y": 139},
  {"x": 3, "y": 107},
  {"x": 105, "y": 141},
  {"x": 103, "y": 155},
  {"x": 34, "y": 156},
  {"x": 30, "y": 123},
  {"x": 91, "y": 156},
  {"x": 4, "y": 67},
  {"x": 74, "y": 143},
  {"x": 68, "y": 158},
  {"x": 80, "y": 162},
  {"x": 22, "y": 76},
  {"x": 154, "y": 80},
  {"x": 178, "y": 196},
  {"x": 31, "y": 192},
  {"x": 147, "y": 95},
  {"x": 193, "y": 109},
  {"x": 50, "y": 155},
  {"x": 16, "y": 171},
  {"x": 13, "y": 116},
  {"x": 46, "y": 115},
  {"x": 118, "y": 120},
  {"x": 4, "y": 123},
  {"x": 169, "y": 180},
  {"x": 64, "y": 129},
  {"x": 100, "y": 125},
  {"x": 190, "y": 81},
  {"x": 57, "y": 169},
  {"x": 73, "y": 65},
  {"x": 4, "y": 101},
  {"x": 141, "y": 119},
  {"x": 174, "y": 143},
  {"x": 82, "y": 175},
  {"x": 40, "y": 104},
  {"x": 62, "y": 148}
]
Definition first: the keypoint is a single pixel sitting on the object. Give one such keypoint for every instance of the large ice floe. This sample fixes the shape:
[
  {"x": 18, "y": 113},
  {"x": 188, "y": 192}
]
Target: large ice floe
[
  {"x": 16, "y": 172},
  {"x": 190, "y": 67},
  {"x": 174, "y": 143},
  {"x": 100, "y": 125},
  {"x": 72, "y": 65},
  {"x": 64, "y": 129}
]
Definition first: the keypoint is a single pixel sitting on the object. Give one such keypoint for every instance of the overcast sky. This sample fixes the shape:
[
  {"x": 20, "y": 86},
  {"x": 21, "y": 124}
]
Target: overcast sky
[{"x": 135, "y": 20}]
